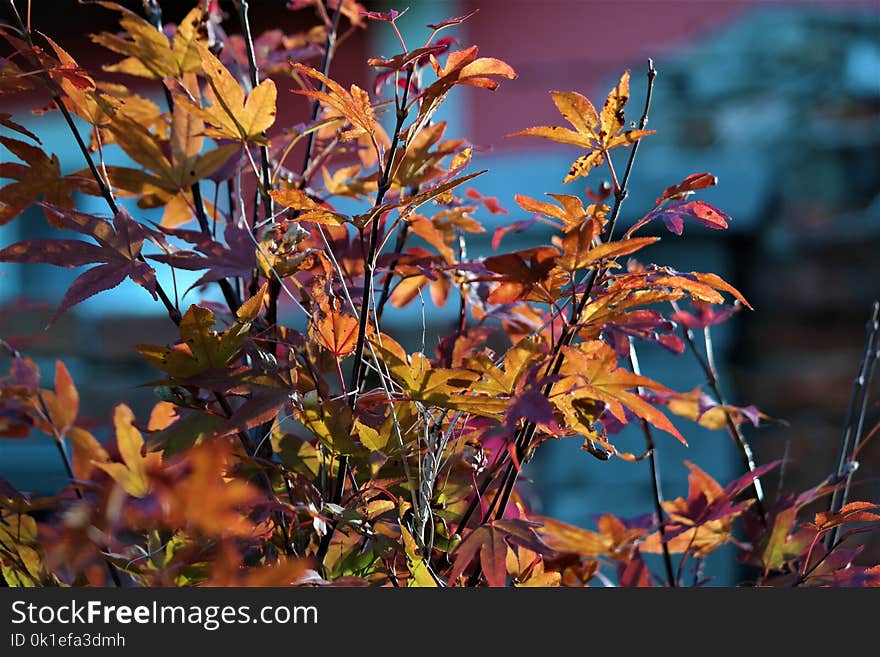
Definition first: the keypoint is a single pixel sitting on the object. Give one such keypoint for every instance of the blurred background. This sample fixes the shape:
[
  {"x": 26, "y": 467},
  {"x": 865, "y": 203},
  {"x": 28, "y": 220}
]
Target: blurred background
[{"x": 779, "y": 100}]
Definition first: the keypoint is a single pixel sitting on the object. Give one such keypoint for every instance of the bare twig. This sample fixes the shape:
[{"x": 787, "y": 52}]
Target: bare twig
[
  {"x": 855, "y": 417},
  {"x": 656, "y": 488},
  {"x": 265, "y": 174},
  {"x": 707, "y": 364}
]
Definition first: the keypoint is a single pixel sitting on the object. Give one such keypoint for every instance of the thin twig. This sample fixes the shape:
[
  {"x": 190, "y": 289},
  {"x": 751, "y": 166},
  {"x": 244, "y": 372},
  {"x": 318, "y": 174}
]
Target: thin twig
[
  {"x": 265, "y": 174},
  {"x": 855, "y": 416},
  {"x": 707, "y": 364},
  {"x": 656, "y": 488}
]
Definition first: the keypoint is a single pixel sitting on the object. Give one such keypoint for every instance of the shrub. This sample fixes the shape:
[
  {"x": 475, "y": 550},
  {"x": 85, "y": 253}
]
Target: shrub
[{"x": 320, "y": 450}]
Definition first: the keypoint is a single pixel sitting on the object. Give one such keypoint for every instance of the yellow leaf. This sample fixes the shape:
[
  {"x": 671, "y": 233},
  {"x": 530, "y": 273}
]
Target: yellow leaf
[
  {"x": 133, "y": 473},
  {"x": 149, "y": 53},
  {"x": 421, "y": 576},
  {"x": 232, "y": 115},
  {"x": 66, "y": 406},
  {"x": 306, "y": 208},
  {"x": 86, "y": 452}
]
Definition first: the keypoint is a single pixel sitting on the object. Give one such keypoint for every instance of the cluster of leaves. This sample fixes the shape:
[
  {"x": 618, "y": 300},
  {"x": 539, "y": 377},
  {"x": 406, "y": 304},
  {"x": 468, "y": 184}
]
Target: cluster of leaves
[{"x": 322, "y": 450}]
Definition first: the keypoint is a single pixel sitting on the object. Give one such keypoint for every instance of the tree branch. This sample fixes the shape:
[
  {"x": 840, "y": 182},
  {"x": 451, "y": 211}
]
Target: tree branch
[{"x": 527, "y": 433}]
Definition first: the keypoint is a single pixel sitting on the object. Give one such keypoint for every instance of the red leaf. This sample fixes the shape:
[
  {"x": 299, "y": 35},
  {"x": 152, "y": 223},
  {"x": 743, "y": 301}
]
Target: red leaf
[
  {"x": 688, "y": 186},
  {"x": 490, "y": 202},
  {"x": 635, "y": 573}
]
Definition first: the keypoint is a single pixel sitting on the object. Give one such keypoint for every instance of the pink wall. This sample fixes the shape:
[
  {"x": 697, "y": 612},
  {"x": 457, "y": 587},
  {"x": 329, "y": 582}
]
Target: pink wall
[{"x": 578, "y": 45}]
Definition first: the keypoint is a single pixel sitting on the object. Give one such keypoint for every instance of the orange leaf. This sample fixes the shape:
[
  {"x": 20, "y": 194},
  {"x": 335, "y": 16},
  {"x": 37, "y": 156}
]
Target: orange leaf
[
  {"x": 336, "y": 331},
  {"x": 133, "y": 473},
  {"x": 66, "y": 406},
  {"x": 307, "y": 209}
]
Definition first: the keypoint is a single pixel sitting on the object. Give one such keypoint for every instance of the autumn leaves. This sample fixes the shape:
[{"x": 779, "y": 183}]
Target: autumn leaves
[{"x": 369, "y": 471}]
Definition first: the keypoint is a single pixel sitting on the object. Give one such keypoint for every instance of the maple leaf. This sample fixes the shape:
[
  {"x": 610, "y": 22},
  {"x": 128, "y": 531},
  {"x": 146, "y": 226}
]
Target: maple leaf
[
  {"x": 687, "y": 187},
  {"x": 133, "y": 474},
  {"x": 231, "y": 114},
  {"x": 434, "y": 385},
  {"x": 202, "y": 349},
  {"x": 419, "y": 163},
  {"x": 613, "y": 538},
  {"x": 353, "y": 104},
  {"x": 6, "y": 121},
  {"x": 208, "y": 499},
  {"x": 781, "y": 543},
  {"x": 118, "y": 246},
  {"x": 701, "y": 408},
  {"x": 416, "y": 269},
  {"x": 334, "y": 330},
  {"x": 704, "y": 315},
  {"x": 529, "y": 275},
  {"x": 186, "y": 165},
  {"x": 149, "y": 53},
  {"x": 704, "y": 521},
  {"x": 41, "y": 178},
  {"x": 306, "y": 208},
  {"x": 851, "y": 512},
  {"x": 580, "y": 253},
  {"x": 590, "y": 372},
  {"x": 461, "y": 67},
  {"x": 491, "y": 543},
  {"x": 63, "y": 404},
  {"x": 81, "y": 94},
  {"x": 634, "y": 573},
  {"x": 237, "y": 257},
  {"x": 570, "y": 211},
  {"x": 594, "y": 132},
  {"x": 675, "y": 213}
]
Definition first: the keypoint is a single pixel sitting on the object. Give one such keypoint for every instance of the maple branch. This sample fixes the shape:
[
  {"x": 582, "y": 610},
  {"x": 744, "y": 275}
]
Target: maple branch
[
  {"x": 105, "y": 191},
  {"x": 656, "y": 488},
  {"x": 274, "y": 289},
  {"x": 357, "y": 373},
  {"x": 527, "y": 433},
  {"x": 855, "y": 417},
  {"x": 707, "y": 364},
  {"x": 384, "y": 184}
]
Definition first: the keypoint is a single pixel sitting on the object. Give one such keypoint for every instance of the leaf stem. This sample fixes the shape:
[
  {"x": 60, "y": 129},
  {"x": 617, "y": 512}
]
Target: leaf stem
[{"x": 358, "y": 371}]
